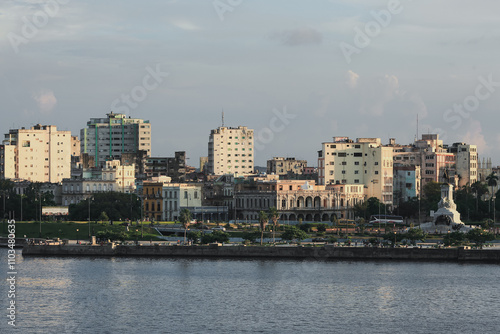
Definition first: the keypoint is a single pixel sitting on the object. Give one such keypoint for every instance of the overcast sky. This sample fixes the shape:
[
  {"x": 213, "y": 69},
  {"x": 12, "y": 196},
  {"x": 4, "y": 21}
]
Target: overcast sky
[{"x": 298, "y": 72}]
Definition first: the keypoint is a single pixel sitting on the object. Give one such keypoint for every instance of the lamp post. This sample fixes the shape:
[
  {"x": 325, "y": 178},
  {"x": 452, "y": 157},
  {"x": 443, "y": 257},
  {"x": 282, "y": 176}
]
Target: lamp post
[
  {"x": 3, "y": 212},
  {"x": 494, "y": 210},
  {"x": 89, "y": 198},
  {"x": 21, "y": 206}
]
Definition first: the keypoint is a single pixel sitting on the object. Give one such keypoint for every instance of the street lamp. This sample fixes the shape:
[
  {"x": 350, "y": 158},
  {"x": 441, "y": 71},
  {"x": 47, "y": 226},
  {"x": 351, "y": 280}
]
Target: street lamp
[
  {"x": 89, "y": 198},
  {"x": 494, "y": 210},
  {"x": 21, "y": 206}
]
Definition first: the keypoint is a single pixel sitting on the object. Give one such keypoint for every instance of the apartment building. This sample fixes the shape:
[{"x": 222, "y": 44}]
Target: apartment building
[
  {"x": 86, "y": 181},
  {"x": 231, "y": 151},
  {"x": 406, "y": 183},
  {"x": 109, "y": 138},
  {"x": 285, "y": 166},
  {"x": 39, "y": 154},
  {"x": 363, "y": 162},
  {"x": 174, "y": 167},
  {"x": 466, "y": 160},
  {"x": 177, "y": 196}
]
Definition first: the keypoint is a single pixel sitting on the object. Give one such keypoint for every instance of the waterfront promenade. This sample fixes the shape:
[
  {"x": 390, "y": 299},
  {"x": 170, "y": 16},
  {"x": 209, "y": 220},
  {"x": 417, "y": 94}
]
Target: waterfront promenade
[{"x": 324, "y": 252}]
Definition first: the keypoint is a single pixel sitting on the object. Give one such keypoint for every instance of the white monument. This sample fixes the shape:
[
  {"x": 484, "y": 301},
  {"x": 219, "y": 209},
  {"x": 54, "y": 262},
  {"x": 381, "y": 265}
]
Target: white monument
[{"x": 446, "y": 218}]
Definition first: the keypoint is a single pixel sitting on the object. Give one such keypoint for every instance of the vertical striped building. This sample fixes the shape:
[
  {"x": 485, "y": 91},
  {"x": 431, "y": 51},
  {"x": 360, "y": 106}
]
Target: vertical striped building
[{"x": 108, "y": 138}]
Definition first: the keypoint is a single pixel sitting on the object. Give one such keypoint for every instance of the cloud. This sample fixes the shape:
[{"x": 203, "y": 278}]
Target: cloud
[
  {"x": 351, "y": 79},
  {"x": 375, "y": 95},
  {"x": 475, "y": 135},
  {"x": 185, "y": 25},
  {"x": 302, "y": 36},
  {"x": 46, "y": 101}
]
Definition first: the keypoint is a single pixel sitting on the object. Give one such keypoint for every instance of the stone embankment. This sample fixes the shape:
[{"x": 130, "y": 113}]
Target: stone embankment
[{"x": 327, "y": 252}]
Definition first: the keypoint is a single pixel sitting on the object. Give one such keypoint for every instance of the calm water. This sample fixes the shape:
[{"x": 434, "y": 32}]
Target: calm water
[{"x": 128, "y": 295}]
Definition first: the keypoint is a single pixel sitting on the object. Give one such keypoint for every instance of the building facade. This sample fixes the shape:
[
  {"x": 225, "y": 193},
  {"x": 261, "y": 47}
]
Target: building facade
[
  {"x": 231, "y": 151},
  {"x": 406, "y": 183},
  {"x": 298, "y": 200},
  {"x": 39, "y": 154},
  {"x": 285, "y": 166},
  {"x": 177, "y": 196},
  {"x": 174, "y": 167},
  {"x": 365, "y": 162},
  {"x": 109, "y": 138},
  {"x": 86, "y": 181},
  {"x": 466, "y": 163}
]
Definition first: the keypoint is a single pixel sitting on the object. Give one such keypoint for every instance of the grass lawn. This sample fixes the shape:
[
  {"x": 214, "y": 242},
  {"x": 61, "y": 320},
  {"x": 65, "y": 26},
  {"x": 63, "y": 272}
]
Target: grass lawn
[{"x": 76, "y": 230}]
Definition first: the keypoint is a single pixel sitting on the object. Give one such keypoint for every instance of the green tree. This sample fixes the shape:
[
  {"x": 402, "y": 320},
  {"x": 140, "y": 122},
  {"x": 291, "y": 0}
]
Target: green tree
[
  {"x": 294, "y": 233},
  {"x": 274, "y": 215},
  {"x": 116, "y": 205},
  {"x": 409, "y": 208},
  {"x": 432, "y": 195},
  {"x": 250, "y": 236},
  {"x": 263, "y": 220},
  {"x": 415, "y": 234},
  {"x": 479, "y": 237},
  {"x": 195, "y": 236},
  {"x": 492, "y": 181},
  {"x": 185, "y": 219},
  {"x": 456, "y": 238},
  {"x": 103, "y": 216},
  {"x": 215, "y": 236}
]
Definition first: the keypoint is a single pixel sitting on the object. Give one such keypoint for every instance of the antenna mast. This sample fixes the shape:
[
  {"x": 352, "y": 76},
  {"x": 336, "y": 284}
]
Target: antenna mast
[
  {"x": 417, "y": 128},
  {"x": 222, "y": 117}
]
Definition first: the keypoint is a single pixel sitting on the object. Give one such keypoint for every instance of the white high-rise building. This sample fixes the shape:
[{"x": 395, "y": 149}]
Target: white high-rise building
[
  {"x": 107, "y": 138},
  {"x": 231, "y": 151},
  {"x": 39, "y": 154},
  {"x": 365, "y": 162}
]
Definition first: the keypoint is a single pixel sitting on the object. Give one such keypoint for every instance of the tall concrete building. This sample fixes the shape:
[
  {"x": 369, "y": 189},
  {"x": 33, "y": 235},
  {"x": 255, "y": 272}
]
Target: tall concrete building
[
  {"x": 39, "y": 154},
  {"x": 466, "y": 163},
  {"x": 365, "y": 162},
  {"x": 283, "y": 166},
  {"x": 109, "y": 138},
  {"x": 231, "y": 151}
]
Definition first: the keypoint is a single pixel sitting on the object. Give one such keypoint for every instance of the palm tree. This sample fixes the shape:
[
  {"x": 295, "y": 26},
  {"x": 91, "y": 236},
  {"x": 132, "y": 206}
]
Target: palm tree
[
  {"x": 263, "y": 222},
  {"x": 492, "y": 182},
  {"x": 274, "y": 215},
  {"x": 185, "y": 219}
]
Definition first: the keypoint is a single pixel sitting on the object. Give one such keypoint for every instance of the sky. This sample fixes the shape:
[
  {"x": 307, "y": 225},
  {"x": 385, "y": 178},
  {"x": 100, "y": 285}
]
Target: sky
[{"x": 297, "y": 72}]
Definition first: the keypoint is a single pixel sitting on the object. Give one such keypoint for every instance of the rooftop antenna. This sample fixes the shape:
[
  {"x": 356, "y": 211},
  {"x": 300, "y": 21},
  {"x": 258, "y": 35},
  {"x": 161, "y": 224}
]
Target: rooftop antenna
[
  {"x": 222, "y": 117},
  {"x": 417, "y": 129}
]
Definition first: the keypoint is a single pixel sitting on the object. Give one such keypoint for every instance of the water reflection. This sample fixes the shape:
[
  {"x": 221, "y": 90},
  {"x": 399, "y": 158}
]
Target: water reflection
[{"x": 79, "y": 295}]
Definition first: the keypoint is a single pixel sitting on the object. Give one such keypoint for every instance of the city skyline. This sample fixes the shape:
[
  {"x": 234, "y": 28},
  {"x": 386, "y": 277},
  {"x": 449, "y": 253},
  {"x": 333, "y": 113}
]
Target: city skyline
[{"x": 297, "y": 74}]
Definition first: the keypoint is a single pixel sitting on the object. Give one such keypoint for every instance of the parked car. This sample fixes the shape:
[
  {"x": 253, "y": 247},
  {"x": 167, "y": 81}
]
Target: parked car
[{"x": 218, "y": 228}]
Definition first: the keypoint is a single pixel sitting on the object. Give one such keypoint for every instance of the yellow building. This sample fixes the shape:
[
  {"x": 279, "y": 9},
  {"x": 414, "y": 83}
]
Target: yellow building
[
  {"x": 365, "y": 162},
  {"x": 41, "y": 154},
  {"x": 231, "y": 151}
]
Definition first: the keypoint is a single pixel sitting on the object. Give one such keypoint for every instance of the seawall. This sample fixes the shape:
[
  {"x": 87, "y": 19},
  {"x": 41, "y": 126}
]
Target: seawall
[{"x": 327, "y": 252}]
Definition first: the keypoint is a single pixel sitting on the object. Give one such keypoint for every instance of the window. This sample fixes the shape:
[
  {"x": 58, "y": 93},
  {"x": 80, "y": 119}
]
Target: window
[
  {"x": 376, "y": 172},
  {"x": 356, "y": 163},
  {"x": 342, "y": 154}
]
